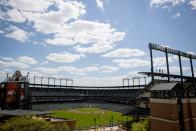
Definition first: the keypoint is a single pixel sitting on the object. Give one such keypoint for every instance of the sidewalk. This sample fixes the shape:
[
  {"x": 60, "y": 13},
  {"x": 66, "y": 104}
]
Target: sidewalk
[{"x": 114, "y": 128}]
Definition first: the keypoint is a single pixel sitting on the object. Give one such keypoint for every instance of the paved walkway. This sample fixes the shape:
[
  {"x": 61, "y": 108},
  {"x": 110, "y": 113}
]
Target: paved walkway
[{"x": 115, "y": 128}]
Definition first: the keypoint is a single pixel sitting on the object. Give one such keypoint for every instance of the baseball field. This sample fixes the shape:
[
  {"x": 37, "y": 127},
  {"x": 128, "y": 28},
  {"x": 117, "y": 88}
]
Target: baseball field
[{"x": 90, "y": 117}]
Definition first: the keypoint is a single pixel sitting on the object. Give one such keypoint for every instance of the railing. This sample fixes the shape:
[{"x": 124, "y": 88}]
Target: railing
[{"x": 32, "y": 85}]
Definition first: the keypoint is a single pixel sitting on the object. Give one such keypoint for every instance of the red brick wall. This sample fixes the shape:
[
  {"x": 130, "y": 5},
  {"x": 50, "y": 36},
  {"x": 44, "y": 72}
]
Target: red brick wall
[{"x": 164, "y": 114}]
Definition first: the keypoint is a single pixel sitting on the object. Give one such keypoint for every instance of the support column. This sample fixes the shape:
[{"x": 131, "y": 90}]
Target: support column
[
  {"x": 180, "y": 114},
  {"x": 133, "y": 82},
  {"x": 41, "y": 81},
  {"x": 3, "y": 93},
  {"x": 167, "y": 63},
  {"x": 189, "y": 104},
  {"x": 34, "y": 81},
  {"x": 7, "y": 74},
  {"x": 54, "y": 81},
  {"x": 60, "y": 82},
  {"x": 27, "y": 96},
  {"x": 152, "y": 67},
  {"x": 145, "y": 80},
  {"x": 48, "y": 81},
  {"x": 193, "y": 76},
  {"x": 181, "y": 76}
]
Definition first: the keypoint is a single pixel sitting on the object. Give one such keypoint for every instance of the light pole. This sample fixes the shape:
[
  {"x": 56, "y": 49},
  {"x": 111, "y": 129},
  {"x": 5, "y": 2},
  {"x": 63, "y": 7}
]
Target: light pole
[
  {"x": 28, "y": 73},
  {"x": 7, "y": 74}
]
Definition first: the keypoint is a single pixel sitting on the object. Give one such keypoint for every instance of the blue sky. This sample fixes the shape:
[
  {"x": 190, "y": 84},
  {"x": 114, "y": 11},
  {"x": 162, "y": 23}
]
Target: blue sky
[{"x": 95, "y": 42}]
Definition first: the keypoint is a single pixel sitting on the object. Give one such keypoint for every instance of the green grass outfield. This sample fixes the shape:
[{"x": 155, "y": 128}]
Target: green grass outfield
[{"x": 85, "y": 117}]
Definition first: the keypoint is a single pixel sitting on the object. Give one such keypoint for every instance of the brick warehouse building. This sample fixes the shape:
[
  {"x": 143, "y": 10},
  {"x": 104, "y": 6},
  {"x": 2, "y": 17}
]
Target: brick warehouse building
[
  {"x": 173, "y": 102},
  {"x": 168, "y": 112}
]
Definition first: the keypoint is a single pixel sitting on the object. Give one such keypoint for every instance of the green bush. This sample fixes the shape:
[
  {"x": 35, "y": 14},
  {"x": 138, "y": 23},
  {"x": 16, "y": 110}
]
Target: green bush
[
  {"x": 143, "y": 125},
  {"x": 29, "y": 124}
]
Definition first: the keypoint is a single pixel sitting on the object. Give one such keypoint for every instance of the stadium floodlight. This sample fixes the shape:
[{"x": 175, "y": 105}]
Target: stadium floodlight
[
  {"x": 28, "y": 73},
  {"x": 171, "y": 50}
]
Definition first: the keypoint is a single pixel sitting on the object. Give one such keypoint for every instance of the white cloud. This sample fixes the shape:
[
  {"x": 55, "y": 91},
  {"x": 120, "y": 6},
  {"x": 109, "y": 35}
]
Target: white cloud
[
  {"x": 17, "y": 33},
  {"x": 63, "y": 57},
  {"x": 60, "y": 40},
  {"x": 30, "y": 5},
  {"x": 75, "y": 70},
  {"x": 92, "y": 37},
  {"x": 15, "y": 16},
  {"x": 20, "y": 62},
  {"x": 193, "y": 4},
  {"x": 63, "y": 23},
  {"x": 97, "y": 48},
  {"x": 7, "y": 58},
  {"x": 1, "y": 31},
  {"x": 2, "y": 14},
  {"x": 38, "y": 13},
  {"x": 46, "y": 70},
  {"x": 44, "y": 63},
  {"x": 7, "y": 70},
  {"x": 106, "y": 69},
  {"x": 55, "y": 70},
  {"x": 159, "y": 61},
  {"x": 52, "y": 21},
  {"x": 105, "y": 81},
  {"x": 171, "y": 3},
  {"x": 177, "y": 15},
  {"x": 27, "y": 60},
  {"x": 159, "y": 3},
  {"x": 92, "y": 69},
  {"x": 124, "y": 53},
  {"x": 176, "y": 69},
  {"x": 99, "y": 81},
  {"x": 100, "y": 69},
  {"x": 100, "y": 4},
  {"x": 131, "y": 63}
]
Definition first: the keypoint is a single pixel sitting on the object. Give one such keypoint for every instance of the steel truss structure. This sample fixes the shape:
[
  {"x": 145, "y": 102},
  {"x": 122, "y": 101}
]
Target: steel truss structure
[{"x": 180, "y": 54}]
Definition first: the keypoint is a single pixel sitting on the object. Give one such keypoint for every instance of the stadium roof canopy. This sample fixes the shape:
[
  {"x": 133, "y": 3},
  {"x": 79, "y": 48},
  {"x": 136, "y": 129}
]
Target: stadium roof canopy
[{"x": 164, "y": 86}]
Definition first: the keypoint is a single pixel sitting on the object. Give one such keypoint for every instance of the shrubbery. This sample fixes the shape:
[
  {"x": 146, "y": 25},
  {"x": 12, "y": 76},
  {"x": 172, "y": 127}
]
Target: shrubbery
[
  {"x": 26, "y": 123},
  {"x": 143, "y": 125}
]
